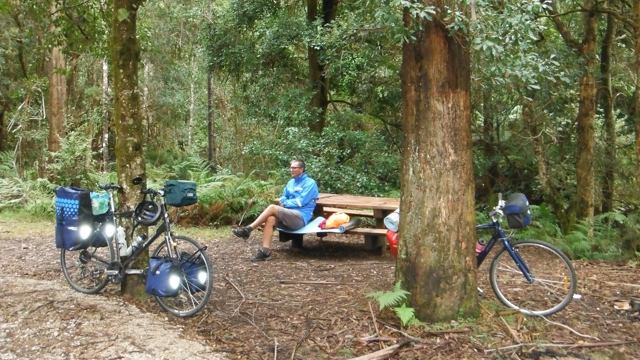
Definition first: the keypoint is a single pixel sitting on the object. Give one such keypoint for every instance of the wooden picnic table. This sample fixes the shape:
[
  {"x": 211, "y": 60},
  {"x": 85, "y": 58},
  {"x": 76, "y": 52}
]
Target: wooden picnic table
[{"x": 354, "y": 205}]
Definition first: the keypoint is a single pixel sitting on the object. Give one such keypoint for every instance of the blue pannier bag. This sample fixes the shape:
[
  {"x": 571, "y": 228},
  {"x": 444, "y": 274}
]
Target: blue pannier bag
[
  {"x": 517, "y": 211},
  {"x": 180, "y": 193},
  {"x": 73, "y": 208},
  {"x": 164, "y": 277},
  {"x": 195, "y": 272}
]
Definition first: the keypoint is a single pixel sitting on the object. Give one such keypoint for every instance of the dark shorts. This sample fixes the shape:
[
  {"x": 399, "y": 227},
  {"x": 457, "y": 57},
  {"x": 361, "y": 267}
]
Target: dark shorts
[{"x": 290, "y": 219}]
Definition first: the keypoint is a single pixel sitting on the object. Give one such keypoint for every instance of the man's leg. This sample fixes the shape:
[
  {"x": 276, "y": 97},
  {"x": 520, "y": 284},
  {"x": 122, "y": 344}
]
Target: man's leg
[{"x": 270, "y": 211}]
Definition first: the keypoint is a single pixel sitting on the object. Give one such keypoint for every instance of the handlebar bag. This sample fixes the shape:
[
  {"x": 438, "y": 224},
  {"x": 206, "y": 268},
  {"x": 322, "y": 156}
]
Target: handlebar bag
[
  {"x": 517, "y": 211},
  {"x": 159, "y": 277},
  {"x": 195, "y": 272},
  {"x": 73, "y": 208},
  {"x": 180, "y": 193}
]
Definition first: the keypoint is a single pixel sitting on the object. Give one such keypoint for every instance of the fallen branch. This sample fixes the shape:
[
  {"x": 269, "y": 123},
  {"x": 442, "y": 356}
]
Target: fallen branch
[
  {"x": 237, "y": 310},
  {"x": 375, "y": 324},
  {"x": 568, "y": 328},
  {"x": 275, "y": 348},
  {"x": 576, "y": 345},
  {"x": 384, "y": 353},
  {"x": 310, "y": 327},
  {"x": 513, "y": 334},
  {"x": 290, "y": 282}
]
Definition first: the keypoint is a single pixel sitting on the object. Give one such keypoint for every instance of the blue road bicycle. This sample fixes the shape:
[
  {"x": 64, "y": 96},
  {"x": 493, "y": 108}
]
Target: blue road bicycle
[{"x": 531, "y": 276}]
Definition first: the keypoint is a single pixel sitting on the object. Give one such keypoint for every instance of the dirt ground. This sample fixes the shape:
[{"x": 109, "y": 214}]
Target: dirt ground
[{"x": 308, "y": 304}]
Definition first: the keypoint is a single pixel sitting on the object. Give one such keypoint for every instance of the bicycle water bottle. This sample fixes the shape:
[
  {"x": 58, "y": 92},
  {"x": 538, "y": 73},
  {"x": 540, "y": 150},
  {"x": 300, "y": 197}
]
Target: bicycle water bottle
[
  {"x": 121, "y": 241},
  {"x": 137, "y": 243},
  {"x": 480, "y": 246}
]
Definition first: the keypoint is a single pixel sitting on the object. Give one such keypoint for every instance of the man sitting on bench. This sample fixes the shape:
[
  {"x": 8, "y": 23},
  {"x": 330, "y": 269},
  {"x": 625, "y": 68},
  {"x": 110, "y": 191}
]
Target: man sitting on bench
[{"x": 295, "y": 210}]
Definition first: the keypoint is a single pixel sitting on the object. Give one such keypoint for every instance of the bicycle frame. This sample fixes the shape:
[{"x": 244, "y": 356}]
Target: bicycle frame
[
  {"x": 500, "y": 235},
  {"x": 164, "y": 227}
]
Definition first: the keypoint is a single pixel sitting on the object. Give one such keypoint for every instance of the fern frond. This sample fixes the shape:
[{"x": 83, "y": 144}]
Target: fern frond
[{"x": 406, "y": 314}]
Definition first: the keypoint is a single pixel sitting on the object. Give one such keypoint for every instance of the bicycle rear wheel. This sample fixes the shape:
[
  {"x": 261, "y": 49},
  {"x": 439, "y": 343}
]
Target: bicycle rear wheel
[
  {"x": 197, "y": 280},
  {"x": 85, "y": 269},
  {"x": 554, "y": 279}
]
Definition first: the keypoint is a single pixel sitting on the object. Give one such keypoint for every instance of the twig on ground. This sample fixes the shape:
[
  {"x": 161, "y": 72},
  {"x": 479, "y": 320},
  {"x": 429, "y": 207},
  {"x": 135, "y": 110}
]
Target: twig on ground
[
  {"x": 290, "y": 282},
  {"x": 372, "y": 338},
  {"x": 375, "y": 324},
  {"x": 237, "y": 310},
  {"x": 384, "y": 353},
  {"x": 568, "y": 328},
  {"x": 310, "y": 327},
  {"x": 412, "y": 338},
  {"x": 511, "y": 332},
  {"x": 40, "y": 306},
  {"x": 275, "y": 348},
  {"x": 576, "y": 345},
  {"x": 252, "y": 322}
]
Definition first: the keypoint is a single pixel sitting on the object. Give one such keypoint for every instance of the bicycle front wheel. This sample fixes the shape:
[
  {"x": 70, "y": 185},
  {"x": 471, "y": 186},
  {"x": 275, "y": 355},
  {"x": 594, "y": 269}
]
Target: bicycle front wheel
[
  {"x": 197, "y": 280},
  {"x": 85, "y": 270},
  {"x": 553, "y": 279}
]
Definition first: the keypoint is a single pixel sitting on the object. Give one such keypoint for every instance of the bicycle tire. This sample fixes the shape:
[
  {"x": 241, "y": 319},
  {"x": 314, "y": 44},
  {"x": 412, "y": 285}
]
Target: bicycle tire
[
  {"x": 85, "y": 269},
  {"x": 554, "y": 278},
  {"x": 188, "y": 302}
]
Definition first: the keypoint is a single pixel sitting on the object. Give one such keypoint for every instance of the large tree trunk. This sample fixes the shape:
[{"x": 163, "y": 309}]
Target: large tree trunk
[
  {"x": 586, "y": 50},
  {"x": 636, "y": 96},
  {"x": 606, "y": 98},
  {"x": 211, "y": 125},
  {"x": 436, "y": 260},
  {"x": 105, "y": 116},
  {"x": 319, "y": 81},
  {"x": 586, "y": 119},
  {"x": 129, "y": 149},
  {"x": 57, "y": 97}
]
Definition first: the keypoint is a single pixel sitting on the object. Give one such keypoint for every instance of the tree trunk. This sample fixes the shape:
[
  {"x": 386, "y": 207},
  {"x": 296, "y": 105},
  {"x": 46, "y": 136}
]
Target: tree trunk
[
  {"x": 57, "y": 97},
  {"x": 606, "y": 98},
  {"x": 636, "y": 96},
  {"x": 129, "y": 149},
  {"x": 586, "y": 119},
  {"x": 436, "y": 260},
  {"x": 105, "y": 115},
  {"x": 3, "y": 127},
  {"x": 211, "y": 125},
  {"x": 317, "y": 77}
]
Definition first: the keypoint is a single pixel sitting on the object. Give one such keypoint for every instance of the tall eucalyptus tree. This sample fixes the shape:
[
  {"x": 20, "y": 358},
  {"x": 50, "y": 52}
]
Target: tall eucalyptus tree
[{"x": 436, "y": 261}]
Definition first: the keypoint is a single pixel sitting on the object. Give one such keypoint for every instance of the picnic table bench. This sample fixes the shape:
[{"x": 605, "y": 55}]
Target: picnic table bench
[{"x": 354, "y": 206}]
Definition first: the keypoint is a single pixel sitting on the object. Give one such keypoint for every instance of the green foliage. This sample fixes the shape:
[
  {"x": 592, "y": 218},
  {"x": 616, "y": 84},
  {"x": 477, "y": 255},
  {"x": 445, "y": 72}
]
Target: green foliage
[{"x": 396, "y": 300}]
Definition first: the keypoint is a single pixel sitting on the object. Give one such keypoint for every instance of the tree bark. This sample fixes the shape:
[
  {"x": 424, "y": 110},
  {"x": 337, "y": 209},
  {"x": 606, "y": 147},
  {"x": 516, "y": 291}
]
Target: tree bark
[
  {"x": 129, "y": 149},
  {"x": 317, "y": 77},
  {"x": 586, "y": 50},
  {"x": 105, "y": 115},
  {"x": 606, "y": 99},
  {"x": 211, "y": 125},
  {"x": 57, "y": 97},
  {"x": 436, "y": 260},
  {"x": 636, "y": 94}
]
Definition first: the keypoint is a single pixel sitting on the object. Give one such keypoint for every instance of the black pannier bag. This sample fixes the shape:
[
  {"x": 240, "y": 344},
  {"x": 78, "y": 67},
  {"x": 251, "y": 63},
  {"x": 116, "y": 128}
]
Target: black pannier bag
[
  {"x": 73, "y": 208},
  {"x": 517, "y": 211},
  {"x": 180, "y": 193},
  {"x": 164, "y": 277}
]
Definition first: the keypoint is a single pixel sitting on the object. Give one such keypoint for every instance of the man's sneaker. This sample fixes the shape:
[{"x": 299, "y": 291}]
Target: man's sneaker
[
  {"x": 242, "y": 232},
  {"x": 261, "y": 256}
]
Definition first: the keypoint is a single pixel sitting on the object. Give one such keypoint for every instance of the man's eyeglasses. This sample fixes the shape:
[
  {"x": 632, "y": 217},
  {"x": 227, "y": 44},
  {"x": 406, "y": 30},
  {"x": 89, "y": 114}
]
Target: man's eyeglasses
[{"x": 295, "y": 167}]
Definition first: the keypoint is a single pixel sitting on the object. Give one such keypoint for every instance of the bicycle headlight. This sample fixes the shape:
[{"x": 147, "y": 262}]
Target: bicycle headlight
[
  {"x": 109, "y": 230},
  {"x": 85, "y": 231}
]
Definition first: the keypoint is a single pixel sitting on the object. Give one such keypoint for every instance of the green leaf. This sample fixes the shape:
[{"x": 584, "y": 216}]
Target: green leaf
[{"x": 122, "y": 14}]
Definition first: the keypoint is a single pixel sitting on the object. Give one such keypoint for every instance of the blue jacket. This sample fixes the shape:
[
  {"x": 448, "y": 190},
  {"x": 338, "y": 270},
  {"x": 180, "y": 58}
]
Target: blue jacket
[{"x": 299, "y": 194}]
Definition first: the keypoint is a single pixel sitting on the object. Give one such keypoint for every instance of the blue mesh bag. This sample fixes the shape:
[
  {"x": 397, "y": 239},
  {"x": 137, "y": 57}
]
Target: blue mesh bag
[
  {"x": 517, "y": 211},
  {"x": 73, "y": 207}
]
